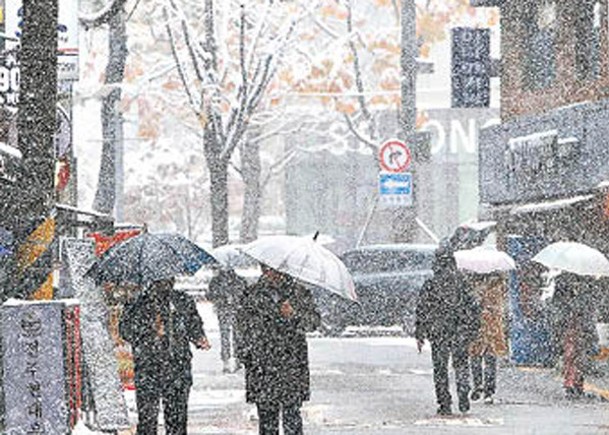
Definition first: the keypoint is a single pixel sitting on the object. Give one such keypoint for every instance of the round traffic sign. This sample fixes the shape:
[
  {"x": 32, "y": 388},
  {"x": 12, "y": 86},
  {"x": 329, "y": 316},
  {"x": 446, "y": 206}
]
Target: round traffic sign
[{"x": 395, "y": 156}]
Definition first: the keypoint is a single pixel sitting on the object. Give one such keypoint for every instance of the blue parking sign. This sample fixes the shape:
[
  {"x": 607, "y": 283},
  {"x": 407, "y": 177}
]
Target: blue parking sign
[{"x": 396, "y": 188}]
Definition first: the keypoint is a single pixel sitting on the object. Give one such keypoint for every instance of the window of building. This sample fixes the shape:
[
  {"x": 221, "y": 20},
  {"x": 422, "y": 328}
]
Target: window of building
[
  {"x": 588, "y": 39},
  {"x": 540, "y": 28}
]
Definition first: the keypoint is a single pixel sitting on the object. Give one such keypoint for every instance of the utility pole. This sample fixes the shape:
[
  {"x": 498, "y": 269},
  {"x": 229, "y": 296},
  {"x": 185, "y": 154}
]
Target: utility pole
[
  {"x": 36, "y": 124},
  {"x": 404, "y": 220}
]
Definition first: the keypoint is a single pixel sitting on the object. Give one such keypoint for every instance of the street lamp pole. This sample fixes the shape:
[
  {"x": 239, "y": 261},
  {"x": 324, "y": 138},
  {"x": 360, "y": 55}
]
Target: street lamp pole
[{"x": 404, "y": 224}]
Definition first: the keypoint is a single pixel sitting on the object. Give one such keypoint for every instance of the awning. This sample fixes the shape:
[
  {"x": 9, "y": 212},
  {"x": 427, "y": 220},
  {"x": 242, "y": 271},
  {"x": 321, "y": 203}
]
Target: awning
[{"x": 549, "y": 205}]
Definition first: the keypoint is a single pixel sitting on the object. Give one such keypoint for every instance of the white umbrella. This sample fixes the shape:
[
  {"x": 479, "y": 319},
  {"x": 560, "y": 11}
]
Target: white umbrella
[
  {"x": 575, "y": 258},
  {"x": 231, "y": 256},
  {"x": 484, "y": 260},
  {"x": 305, "y": 259}
]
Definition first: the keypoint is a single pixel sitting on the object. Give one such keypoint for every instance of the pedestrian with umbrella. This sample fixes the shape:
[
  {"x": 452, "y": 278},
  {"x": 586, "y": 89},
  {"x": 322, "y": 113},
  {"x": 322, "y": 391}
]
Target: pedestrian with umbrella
[
  {"x": 449, "y": 317},
  {"x": 572, "y": 308},
  {"x": 487, "y": 266},
  {"x": 224, "y": 292},
  {"x": 160, "y": 322},
  {"x": 490, "y": 344},
  {"x": 273, "y": 318}
]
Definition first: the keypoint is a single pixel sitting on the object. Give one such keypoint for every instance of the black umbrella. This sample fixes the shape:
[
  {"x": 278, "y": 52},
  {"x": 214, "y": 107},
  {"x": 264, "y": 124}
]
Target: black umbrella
[
  {"x": 149, "y": 257},
  {"x": 467, "y": 236}
]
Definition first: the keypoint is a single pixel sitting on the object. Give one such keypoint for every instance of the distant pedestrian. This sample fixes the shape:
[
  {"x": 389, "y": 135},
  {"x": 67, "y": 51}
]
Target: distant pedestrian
[
  {"x": 574, "y": 329},
  {"x": 224, "y": 292},
  {"x": 449, "y": 317},
  {"x": 274, "y": 316},
  {"x": 491, "y": 342},
  {"x": 160, "y": 323}
]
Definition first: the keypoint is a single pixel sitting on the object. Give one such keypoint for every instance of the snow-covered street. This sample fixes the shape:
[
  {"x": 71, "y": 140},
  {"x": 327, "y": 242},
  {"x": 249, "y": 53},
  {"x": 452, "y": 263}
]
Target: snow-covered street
[{"x": 381, "y": 385}]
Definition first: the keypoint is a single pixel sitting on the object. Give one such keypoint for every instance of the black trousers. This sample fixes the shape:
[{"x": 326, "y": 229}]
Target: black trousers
[
  {"x": 174, "y": 398},
  {"x": 441, "y": 351},
  {"x": 228, "y": 341},
  {"x": 268, "y": 415},
  {"x": 484, "y": 373}
]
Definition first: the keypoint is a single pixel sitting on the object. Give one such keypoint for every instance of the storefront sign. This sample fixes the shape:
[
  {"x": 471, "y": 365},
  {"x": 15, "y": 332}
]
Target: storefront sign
[
  {"x": 67, "y": 34},
  {"x": 9, "y": 80},
  {"x": 554, "y": 155},
  {"x": 33, "y": 361}
]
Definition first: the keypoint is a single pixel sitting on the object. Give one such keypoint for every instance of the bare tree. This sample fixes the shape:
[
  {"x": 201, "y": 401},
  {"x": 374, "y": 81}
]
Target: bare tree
[
  {"x": 113, "y": 15},
  {"x": 209, "y": 72}
]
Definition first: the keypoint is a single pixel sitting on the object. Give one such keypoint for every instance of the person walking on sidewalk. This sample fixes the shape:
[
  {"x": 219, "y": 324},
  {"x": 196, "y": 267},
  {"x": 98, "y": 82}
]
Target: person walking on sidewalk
[
  {"x": 160, "y": 323},
  {"x": 490, "y": 343},
  {"x": 574, "y": 329},
  {"x": 449, "y": 317},
  {"x": 224, "y": 292},
  {"x": 274, "y": 316}
]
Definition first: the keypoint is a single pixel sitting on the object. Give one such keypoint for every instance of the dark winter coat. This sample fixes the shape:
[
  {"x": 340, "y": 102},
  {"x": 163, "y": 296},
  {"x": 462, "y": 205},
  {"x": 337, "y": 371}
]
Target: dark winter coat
[
  {"x": 573, "y": 306},
  {"x": 225, "y": 290},
  {"x": 160, "y": 360},
  {"x": 447, "y": 310},
  {"x": 274, "y": 349}
]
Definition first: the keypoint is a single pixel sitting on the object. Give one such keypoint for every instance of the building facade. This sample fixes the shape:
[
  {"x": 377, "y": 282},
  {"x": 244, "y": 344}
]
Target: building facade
[{"x": 544, "y": 169}]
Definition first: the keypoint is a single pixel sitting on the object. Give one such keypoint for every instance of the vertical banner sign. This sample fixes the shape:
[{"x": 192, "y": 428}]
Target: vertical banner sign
[
  {"x": 471, "y": 67},
  {"x": 33, "y": 362}
]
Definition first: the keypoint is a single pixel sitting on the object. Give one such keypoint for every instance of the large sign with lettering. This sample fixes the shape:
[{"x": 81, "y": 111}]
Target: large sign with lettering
[
  {"x": 471, "y": 67},
  {"x": 455, "y": 131},
  {"x": 33, "y": 362},
  {"x": 557, "y": 154}
]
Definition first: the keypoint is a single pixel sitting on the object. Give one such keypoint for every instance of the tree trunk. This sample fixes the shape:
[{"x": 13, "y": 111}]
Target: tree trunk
[
  {"x": 112, "y": 118},
  {"x": 218, "y": 178},
  {"x": 251, "y": 168}
]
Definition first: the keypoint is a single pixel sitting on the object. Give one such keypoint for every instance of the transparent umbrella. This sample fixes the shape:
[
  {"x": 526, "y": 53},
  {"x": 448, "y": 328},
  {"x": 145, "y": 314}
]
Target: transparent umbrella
[
  {"x": 305, "y": 259},
  {"x": 484, "y": 260},
  {"x": 575, "y": 258},
  {"x": 232, "y": 257}
]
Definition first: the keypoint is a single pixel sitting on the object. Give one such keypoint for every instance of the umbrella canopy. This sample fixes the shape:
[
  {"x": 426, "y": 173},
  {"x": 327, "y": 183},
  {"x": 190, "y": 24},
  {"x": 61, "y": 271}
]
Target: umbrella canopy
[
  {"x": 575, "y": 258},
  {"x": 149, "y": 257},
  {"x": 484, "y": 260},
  {"x": 467, "y": 236},
  {"x": 232, "y": 257},
  {"x": 305, "y": 259}
]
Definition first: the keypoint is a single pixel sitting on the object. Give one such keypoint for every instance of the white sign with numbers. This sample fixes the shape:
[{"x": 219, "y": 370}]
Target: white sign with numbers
[{"x": 9, "y": 80}]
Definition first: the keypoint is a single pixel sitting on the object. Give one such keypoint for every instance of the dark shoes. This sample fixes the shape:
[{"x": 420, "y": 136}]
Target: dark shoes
[
  {"x": 464, "y": 405},
  {"x": 444, "y": 410},
  {"x": 572, "y": 393},
  {"x": 476, "y": 395}
]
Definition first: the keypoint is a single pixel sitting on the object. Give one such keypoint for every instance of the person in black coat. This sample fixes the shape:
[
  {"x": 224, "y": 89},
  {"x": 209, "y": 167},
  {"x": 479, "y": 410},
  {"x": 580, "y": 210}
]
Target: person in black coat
[
  {"x": 449, "y": 317},
  {"x": 574, "y": 336},
  {"x": 224, "y": 292},
  {"x": 273, "y": 318},
  {"x": 160, "y": 323}
]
